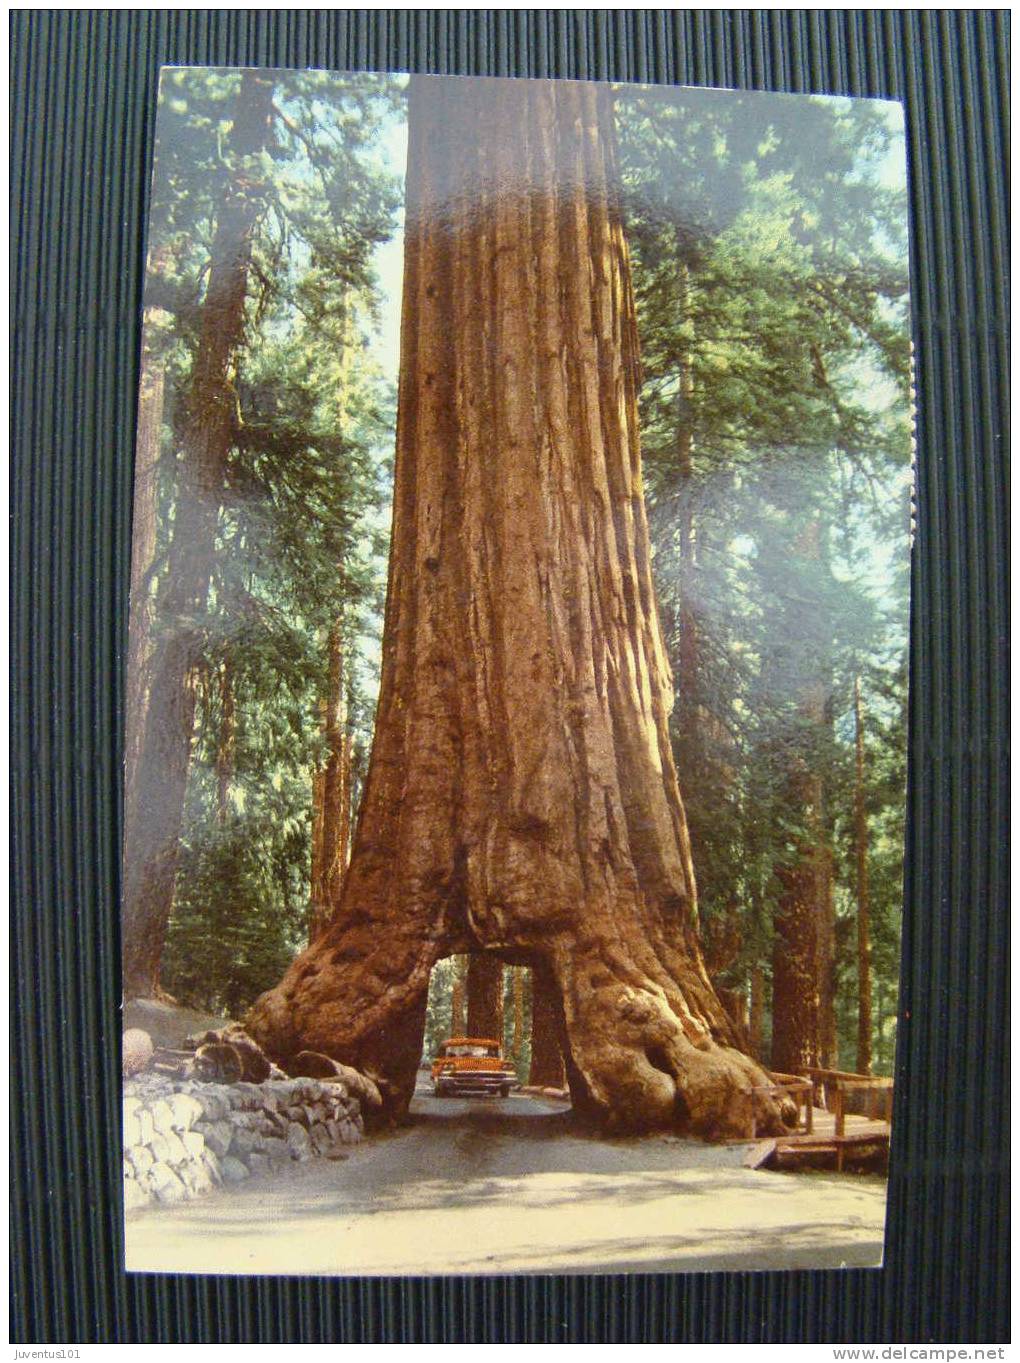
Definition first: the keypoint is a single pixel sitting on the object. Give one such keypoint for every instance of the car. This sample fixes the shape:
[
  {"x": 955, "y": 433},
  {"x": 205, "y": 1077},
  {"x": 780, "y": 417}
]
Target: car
[{"x": 471, "y": 1065}]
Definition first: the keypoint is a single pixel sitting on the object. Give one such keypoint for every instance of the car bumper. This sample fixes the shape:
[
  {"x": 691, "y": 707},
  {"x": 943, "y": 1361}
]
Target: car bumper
[{"x": 474, "y": 1084}]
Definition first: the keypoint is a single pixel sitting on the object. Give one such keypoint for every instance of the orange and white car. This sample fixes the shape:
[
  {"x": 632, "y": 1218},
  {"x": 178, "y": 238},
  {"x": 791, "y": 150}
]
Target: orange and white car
[{"x": 471, "y": 1065}]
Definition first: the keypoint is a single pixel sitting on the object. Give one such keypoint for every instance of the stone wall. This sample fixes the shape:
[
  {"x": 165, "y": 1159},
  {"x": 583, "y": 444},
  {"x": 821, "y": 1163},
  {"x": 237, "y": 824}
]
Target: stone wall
[{"x": 183, "y": 1138}]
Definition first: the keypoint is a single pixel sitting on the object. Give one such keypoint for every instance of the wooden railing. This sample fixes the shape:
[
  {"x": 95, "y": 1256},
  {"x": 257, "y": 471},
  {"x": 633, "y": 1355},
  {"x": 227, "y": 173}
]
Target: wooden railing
[{"x": 836, "y": 1084}]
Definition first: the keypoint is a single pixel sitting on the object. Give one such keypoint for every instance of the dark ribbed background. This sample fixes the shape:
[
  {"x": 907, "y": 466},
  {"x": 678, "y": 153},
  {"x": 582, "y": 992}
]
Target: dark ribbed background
[{"x": 83, "y": 102}]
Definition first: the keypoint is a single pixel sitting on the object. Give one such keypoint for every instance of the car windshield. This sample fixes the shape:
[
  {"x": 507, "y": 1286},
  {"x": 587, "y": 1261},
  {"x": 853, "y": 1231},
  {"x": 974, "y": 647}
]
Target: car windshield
[{"x": 477, "y": 1051}]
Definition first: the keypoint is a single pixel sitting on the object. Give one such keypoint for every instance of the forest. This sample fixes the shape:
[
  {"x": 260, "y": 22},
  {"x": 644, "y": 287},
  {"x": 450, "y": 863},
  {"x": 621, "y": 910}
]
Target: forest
[{"x": 604, "y": 755}]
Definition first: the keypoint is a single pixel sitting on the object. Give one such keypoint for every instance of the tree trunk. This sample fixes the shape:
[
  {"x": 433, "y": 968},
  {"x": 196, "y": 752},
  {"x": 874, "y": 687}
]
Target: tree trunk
[
  {"x": 318, "y": 917},
  {"x": 332, "y": 796},
  {"x": 795, "y": 949},
  {"x": 151, "y": 388},
  {"x": 546, "y": 1069},
  {"x": 521, "y": 795},
  {"x": 152, "y": 835},
  {"x": 756, "y": 1026},
  {"x": 517, "y": 1044},
  {"x": 225, "y": 743},
  {"x": 863, "y": 896},
  {"x": 485, "y": 996},
  {"x": 828, "y": 1046},
  {"x": 458, "y": 1023},
  {"x": 800, "y": 943}
]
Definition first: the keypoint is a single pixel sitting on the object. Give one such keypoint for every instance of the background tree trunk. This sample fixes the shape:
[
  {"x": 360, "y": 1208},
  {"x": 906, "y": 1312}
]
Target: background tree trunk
[
  {"x": 485, "y": 996},
  {"x": 521, "y": 795},
  {"x": 546, "y": 1055},
  {"x": 225, "y": 742},
  {"x": 318, "y": 916},
  {"x": 517, "y": 1043},
  {"x": 143, "y": 535},
  {"x": 458, "y": 997},
  {"x": 863, "y": 896},
  {"x": 795, "y": 949},
  {"x": 756, "y": 1023},
  {"x": 332, "y": 796},
  {"x": 152, "y": 835},
  {"x": 800, "y": 940}
]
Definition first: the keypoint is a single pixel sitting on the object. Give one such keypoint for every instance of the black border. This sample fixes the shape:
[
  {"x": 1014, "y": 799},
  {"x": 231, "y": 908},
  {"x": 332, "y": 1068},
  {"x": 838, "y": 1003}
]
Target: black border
[{"x": 83, "y": 87}]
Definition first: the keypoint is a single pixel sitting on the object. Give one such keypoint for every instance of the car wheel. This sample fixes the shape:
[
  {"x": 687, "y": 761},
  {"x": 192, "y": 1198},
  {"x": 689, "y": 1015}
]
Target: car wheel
[{"x": 505, "y": 1091}]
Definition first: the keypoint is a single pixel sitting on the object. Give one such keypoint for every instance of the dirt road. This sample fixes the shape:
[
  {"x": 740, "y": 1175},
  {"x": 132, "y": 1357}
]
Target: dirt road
[{"x": 503, "y": 1185}]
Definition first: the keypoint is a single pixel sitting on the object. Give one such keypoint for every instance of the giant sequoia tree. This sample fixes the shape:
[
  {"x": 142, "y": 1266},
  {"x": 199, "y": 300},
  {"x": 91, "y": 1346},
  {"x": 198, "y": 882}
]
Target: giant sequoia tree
[{"x": 521, "y": 796}]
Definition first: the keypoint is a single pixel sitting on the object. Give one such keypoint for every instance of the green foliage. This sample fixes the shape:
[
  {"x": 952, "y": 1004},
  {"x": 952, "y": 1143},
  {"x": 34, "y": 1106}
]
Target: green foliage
[
  {"x": 767, "y": 241},
  {"x": 303, "y": 525}
]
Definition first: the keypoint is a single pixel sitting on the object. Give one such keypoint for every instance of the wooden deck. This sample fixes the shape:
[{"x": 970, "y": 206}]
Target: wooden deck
[
  {"x": 827, "y": 1130},
  {"x": 821, "y": 1143}
]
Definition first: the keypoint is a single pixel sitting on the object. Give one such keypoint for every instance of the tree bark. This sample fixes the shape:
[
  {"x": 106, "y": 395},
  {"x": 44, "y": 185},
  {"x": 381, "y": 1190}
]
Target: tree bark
[
  {"x": 151, "y": 390},
  {"x": 485, "y": 997},
  {"x": 795, "y": 949},
  {"x": 318, "y": 918},
  {"x": 458, "y": 1022},
  {"x": 225, "y": 743},
  {"x": 756, "y": 1024},
  {"x": 517, "y": 1043},
  {"x": 546, "y": 1070},
  {"x": 828, "y": 1049},
  {"x": 863, "y": 895},
  {"x": 152, "y": 835},
  {"x": 331, "y": 797},
  {"x": 521, "y": 795},
  {"x": 801, "y": 946}
]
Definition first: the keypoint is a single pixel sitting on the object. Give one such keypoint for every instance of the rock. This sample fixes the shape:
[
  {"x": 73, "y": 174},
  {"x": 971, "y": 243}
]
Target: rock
[
  {"x": 136, "y": 1051},
  {"x": 333, "y": 1127},
  {"x": 276, "y": 1150},
  {"x": 320, "y": 1139},
  {"x": 234, "y": 1171},
  {"x": 251, "y": 1096},
  {"x": 162, "y": 1115},
  {"x": 258, "y": 1164},
  {"x": 194, "y": 1143},
  {"x": 217, "y": 1135},
  {"x": 214, "y": 1106},
  {"x": 211, "y": 1161},
  {"x": 132, "y": 1130},
  {"x": 166, "y": 1184},
  {"x": 186, "y": 1111},
  {"x": 141, "y": 1159},
  {"x": 242, "y": 1142},
  {"x": 349, "y": 1133},
  {"x": 159, "y": 1147},
  {"x": 197, "y": 1178},
  {"x": 175, "y": 1152},
  {"x": 135, "y": 1195},
  {"x": 146, "y": 1129},
  {"x": 298, "y": 1142}
]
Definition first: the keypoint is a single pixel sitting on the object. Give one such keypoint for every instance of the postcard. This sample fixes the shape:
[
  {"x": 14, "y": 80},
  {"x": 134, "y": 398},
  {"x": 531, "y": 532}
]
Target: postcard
[{"x": 517, "y": 679}]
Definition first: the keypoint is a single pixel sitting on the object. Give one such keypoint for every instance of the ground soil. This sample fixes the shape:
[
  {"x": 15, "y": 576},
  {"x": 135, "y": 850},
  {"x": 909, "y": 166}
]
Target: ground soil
[{"x": 510, "y": 1185}]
